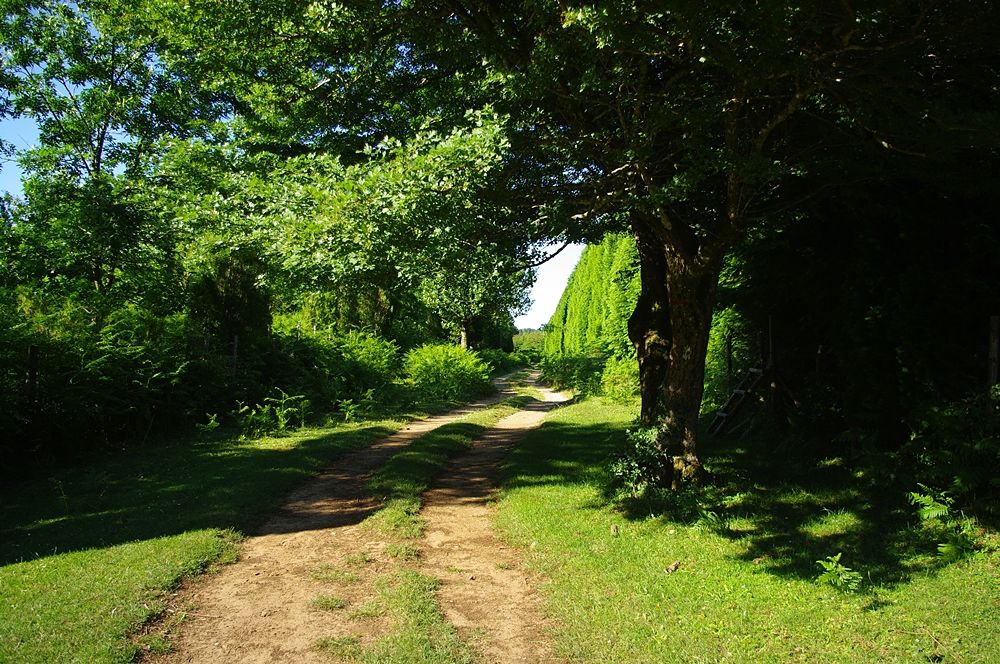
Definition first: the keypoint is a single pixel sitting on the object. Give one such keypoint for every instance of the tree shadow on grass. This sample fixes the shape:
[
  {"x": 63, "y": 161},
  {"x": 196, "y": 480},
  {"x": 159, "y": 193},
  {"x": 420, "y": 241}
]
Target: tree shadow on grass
[
  {"x": 161, "y": 491},
  {"x": 794, "y": 507},
  {"x": 787, "y": 507}
]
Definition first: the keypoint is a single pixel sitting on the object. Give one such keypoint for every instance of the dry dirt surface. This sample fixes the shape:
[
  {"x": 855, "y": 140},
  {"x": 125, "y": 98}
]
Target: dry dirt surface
[
  {"x": 260, "y": 608},
  {"x": 484, "y": 591}
]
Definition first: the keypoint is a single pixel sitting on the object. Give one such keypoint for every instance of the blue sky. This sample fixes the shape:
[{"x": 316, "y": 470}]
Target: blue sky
[{"x": 22, "y": 133}]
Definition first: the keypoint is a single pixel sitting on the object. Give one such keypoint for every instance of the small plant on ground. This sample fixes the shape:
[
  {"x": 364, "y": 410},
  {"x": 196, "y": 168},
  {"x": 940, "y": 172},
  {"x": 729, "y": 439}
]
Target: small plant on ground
[
  {"x": 354, "y": 409},
  {"x": 330, "y": 574},
  {"x": 288, "y": 408},
  {"x": 404, "y": 551},
  {"x": 343, "y": 647},
  {"x": 837, "y": 575},
  {"x": 369, "y": 609},
  {"x": 278, "y": 414},
  {"x": 328, "y": 603},
  {"x": 959, "y": 534},
  {"x": 358, "y": 559},
  {"x": 639, "y": 467},
  {"x": 210, "y": 426}
]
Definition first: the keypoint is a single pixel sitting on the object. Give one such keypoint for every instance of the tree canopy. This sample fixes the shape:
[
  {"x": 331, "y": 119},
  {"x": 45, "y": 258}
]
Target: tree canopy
[{"x": 404, "y": 161}]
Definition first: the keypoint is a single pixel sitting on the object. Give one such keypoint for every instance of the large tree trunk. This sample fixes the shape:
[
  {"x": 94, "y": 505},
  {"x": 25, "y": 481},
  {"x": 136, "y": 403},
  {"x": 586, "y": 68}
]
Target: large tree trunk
[
  {"x": 670, "y": 328},
  {"x": 691, "y": 287},
  {"x": 649, "y": 324}
]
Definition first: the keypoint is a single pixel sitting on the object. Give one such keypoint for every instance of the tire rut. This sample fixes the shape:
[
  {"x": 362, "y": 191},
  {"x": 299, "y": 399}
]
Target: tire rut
[{"x": 258, "y": 610}]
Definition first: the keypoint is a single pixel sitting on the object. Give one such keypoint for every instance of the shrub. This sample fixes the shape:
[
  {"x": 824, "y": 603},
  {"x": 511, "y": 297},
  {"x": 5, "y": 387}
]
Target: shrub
[
  {"x": 642, "y": 462},
  {"x": 499, "y": 361},
  {"x": 620, "y": 379},
  {"x": 371, "y": 361},
  {"x": 446, "y": 373},
  {"x": 581, "y": 373}
]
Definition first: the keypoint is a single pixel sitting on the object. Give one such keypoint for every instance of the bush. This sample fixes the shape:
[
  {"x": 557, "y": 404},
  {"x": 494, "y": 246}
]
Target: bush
[
  {"x": 499, "y": 361},
  {"x": 447, "y": 373},
  {"x": 581, "y": 373},
  {"x": 371, "y": 361},
  {"x": 955, "y": 447},
  {"x": 620, "y": 379}
]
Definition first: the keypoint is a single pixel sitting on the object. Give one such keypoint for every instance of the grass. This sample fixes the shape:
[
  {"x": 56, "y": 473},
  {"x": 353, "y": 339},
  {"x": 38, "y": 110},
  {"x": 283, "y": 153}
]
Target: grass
[
  {"x": 328, "y": 603},
  {"x": 86, "y": 554},
  {"x": 339, "y": 647},
  {"x": 419, "y": 632},
  {"x": 745, "y": 588},
  {"x": 327, "y": 573}
]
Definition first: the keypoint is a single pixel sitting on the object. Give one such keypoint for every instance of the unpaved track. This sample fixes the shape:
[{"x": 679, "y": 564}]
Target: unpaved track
[
  {"x": 484, "y": 591},
  {"x": 258, "y": 610}
]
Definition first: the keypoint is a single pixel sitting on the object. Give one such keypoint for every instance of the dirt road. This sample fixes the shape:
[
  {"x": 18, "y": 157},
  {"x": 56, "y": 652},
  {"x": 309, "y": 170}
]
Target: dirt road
[{"x": 261, "y": 609}]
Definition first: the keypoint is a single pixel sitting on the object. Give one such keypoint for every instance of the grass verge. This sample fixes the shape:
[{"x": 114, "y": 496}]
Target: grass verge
[
  {"x": 730, "y": 583},
  {"x": 87, "y": 553}
]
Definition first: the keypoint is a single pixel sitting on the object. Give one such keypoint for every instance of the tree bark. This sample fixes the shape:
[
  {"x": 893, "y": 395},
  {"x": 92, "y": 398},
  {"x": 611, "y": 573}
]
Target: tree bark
[
  {"x": 691, "y": 286},
  {"x": 670, "y": 328},
  {"x": 649, "y": 324},
  {"x": 463, "y": 338}
]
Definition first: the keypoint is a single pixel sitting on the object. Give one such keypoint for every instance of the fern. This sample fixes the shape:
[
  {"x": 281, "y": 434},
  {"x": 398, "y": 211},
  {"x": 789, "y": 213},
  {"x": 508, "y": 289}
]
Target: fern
[{"x": 838, "y": 575}]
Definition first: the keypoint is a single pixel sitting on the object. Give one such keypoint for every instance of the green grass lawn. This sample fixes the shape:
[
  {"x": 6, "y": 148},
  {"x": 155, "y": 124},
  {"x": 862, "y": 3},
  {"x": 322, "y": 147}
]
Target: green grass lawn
[
  {"x": 745, "y": 589},
  {"x": 86, "y": 553}
]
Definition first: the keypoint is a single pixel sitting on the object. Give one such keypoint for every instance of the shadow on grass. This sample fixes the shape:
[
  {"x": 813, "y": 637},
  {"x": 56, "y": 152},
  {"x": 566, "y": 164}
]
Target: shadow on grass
[
  {"x": 161, "y": 491},
  {"x": 793, "y": 507},
  {"x": 789, "y": 509}
]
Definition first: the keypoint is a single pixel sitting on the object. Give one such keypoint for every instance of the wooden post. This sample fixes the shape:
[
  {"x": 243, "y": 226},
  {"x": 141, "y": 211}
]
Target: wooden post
[
  {"x": 994, "y": 368},
  {"x": 31, "y": 380}
]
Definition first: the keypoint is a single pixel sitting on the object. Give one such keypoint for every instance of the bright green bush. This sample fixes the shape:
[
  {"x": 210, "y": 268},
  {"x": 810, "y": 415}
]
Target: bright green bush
[
  {"x": 499, "y": 361},
  {"x": 581, "y": 373},
  {"x": 447, "y": 373},
  {"x": 371, "y": 361},
  {"x": 620, "y": 379}
]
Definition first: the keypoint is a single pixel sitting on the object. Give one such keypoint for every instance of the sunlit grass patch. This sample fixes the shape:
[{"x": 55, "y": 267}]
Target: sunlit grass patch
[
  {"x": 419, "y": 632},
  {"x": 328, "y": 603},
  {"x": 359, "y": 559},
  {"x": 88, "y": 552},
  {"x": 367, "y": 609},
  {"x": 398, "y": 517},
  {"x": 627, "y": 585},
  {"x": 328, "y": 573},
  {"x": 339, "y": 647},
  {"x": 403, "y": 551},
  {"x": 81, "y": 606}
]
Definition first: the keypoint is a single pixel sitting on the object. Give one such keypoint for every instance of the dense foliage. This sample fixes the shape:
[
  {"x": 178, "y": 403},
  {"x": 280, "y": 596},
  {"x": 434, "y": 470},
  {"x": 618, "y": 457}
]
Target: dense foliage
[
  {"x": 264, "y": 169},
  {"x": 873, "y": 332},
  {"x": 162, "y": 270}
]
